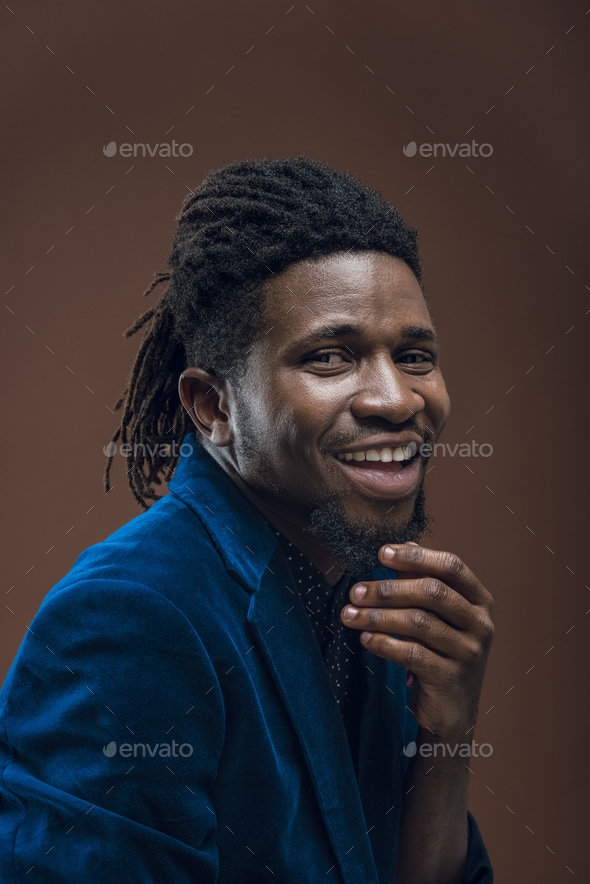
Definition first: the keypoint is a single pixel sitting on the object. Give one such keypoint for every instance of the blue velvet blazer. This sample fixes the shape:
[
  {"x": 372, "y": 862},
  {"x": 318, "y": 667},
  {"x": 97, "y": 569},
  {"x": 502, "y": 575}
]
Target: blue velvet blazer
[{"x": 169, "y": 717}]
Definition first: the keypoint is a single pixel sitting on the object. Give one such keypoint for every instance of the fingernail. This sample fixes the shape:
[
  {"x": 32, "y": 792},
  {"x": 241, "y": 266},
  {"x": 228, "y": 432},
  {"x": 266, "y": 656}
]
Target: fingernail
[
  {"x": 350, "y": 612},
  {"x": 359, "y": 592},
  {"x": 365, "y": 636},
  {"x": 388, "y": 553}
]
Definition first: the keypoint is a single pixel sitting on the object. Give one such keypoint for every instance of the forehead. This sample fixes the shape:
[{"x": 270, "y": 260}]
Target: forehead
[{"x": 368, "y": 289}]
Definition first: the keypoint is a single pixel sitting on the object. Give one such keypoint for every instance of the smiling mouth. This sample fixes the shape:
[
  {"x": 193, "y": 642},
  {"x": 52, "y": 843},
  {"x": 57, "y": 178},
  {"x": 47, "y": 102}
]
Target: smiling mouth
[
  {"x": 386, "y": 472},
  {"x": 388, "y": 460}
]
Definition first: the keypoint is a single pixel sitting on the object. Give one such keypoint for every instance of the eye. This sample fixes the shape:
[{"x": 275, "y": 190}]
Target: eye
[
  {"x": 329, "y": 358},
  {"x": 415, "y": 358}
]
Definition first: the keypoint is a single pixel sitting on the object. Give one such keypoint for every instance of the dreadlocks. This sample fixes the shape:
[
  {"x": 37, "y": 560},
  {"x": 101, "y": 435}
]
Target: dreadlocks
[{"x": 243, "y": 224}]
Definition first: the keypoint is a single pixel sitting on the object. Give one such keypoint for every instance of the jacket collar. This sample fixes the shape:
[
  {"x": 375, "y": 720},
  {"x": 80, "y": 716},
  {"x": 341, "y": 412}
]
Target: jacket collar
[
  {"x": 286, "y": 641},
  {"x": 238, "y": 530}
]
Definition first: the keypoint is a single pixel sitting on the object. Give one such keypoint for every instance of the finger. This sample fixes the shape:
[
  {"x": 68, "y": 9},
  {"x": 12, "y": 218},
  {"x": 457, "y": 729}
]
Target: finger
[
  {"x": 407, "y": 575},
  {"x": 412, "y": 656},
  {"x": 428, "y": 593},
  {"x": 417, "y": 624},
  {"x": 446, "y": 566}
]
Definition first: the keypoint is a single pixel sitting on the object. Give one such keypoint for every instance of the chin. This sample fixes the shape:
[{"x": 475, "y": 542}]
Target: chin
[{"x": 354, "y": 540}]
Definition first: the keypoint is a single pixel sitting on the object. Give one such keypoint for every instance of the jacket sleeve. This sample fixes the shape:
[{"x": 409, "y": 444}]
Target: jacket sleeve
[
  {"x": 112, "y": 724},
  {"x": 478, "y": 869}
]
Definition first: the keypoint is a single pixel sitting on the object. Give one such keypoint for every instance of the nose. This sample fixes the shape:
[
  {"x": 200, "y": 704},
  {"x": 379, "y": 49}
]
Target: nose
[{"x": 387, "y": 391}]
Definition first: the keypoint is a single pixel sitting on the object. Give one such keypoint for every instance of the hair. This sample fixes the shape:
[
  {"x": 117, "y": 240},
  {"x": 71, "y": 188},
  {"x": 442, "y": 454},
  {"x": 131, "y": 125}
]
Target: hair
[{"x": 244, "y": 224}]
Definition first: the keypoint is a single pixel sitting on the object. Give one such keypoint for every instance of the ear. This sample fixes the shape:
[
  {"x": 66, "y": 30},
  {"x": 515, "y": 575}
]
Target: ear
[{"x": 205, "y": 398}]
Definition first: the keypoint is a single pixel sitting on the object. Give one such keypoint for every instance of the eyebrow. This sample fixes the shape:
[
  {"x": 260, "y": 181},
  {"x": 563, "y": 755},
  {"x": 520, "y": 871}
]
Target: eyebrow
[{"x": 413, "y": 332}]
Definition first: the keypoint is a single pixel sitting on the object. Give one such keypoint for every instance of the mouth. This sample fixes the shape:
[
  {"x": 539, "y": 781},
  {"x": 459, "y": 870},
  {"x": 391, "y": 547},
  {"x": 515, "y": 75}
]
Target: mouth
[{"x": 388, "y": 472}]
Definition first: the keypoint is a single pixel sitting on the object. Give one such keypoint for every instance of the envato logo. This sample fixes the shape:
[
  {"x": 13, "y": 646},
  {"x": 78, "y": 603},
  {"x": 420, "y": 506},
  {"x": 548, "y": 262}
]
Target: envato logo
[
  {"x": 464, "y": 750},
  {"x": 172, "y": 449},
  {"x": 433, "y": 150},
  {"x": 163, "y": 150},
  {"x": 164, "y": 750},
  {"x": 466, "y": 449}
]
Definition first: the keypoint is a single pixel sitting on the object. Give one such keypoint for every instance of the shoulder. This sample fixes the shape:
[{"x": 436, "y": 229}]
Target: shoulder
[
  {"x": 159, "y": 535},
  {"x": 166, "y": 551}
]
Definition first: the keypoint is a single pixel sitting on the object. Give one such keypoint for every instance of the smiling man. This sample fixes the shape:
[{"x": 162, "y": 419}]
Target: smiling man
[{"x": 232, "y": 687}]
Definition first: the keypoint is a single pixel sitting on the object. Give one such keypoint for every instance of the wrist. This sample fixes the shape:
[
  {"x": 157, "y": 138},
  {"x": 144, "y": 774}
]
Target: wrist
[{"x": 453, "y": 749}]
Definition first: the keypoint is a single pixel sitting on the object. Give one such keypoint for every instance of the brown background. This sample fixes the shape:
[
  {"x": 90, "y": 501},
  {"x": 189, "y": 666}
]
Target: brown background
[{"x": 83, "y": 234}]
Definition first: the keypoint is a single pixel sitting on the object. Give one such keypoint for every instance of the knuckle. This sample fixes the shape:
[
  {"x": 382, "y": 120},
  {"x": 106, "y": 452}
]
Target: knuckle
[
  {"x": 374, "y": 618},
  {"x": 412, "y": 553},
  {"x": 414, "y": 655},
  {"x": 453, "y": 565},
  {"x": 488, "y": 628},
  {"x": 420, "y": 620},
  {"x": 435, "y": 590},
  {"x": 485, "y": 628},
  {"x": 484, "y": 622},
  {"x": 472, "y": 651},
  {"x": 382, "y": 590}
]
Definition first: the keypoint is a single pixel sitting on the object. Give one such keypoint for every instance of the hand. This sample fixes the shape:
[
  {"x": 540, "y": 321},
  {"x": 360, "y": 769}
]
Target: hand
[{"x": 442, "y": 615}]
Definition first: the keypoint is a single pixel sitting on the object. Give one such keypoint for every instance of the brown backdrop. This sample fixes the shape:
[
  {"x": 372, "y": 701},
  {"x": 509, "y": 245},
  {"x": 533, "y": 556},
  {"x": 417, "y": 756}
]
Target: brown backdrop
[{"x": 503, "y": 242}]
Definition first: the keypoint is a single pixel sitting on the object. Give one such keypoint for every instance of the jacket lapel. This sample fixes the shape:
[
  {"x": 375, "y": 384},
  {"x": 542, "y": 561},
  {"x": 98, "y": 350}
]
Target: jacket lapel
[{"x": 286, "y": 640}]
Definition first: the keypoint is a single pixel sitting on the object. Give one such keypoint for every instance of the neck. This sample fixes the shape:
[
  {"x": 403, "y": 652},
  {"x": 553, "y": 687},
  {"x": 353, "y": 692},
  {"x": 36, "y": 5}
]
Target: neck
[{"x": 294, "y": 531}]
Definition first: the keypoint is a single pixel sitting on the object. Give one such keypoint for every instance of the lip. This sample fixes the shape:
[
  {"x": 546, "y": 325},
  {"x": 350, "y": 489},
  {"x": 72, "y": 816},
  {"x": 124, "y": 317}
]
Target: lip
[
  {"x": 391, "y": 440},
  {"x": 389, "y": 486}
]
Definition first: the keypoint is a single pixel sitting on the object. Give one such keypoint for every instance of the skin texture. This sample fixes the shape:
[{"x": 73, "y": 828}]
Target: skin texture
[{"x": 276, "y": 432}]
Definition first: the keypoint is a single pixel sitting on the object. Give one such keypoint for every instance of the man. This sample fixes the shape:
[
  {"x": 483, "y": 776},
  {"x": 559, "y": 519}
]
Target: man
[{"x": 222, "y": 691}]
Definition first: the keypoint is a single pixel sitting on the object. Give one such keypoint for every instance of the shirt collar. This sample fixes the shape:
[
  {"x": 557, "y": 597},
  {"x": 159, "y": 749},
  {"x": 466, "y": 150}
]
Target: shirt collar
[{"x": 289, "y": 549}]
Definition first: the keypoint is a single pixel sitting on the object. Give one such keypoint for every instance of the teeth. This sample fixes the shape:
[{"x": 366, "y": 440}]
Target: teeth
[{"x": 385, "y": 455}]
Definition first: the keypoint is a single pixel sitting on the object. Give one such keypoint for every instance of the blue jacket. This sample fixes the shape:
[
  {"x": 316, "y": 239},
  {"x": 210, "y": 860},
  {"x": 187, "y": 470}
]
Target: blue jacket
[{"x": 169, "y": 717}]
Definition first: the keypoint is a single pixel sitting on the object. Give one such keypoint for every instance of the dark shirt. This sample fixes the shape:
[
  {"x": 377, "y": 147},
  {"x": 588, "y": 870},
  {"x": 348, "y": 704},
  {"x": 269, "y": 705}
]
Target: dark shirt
[{"x": 339, "y": 645}]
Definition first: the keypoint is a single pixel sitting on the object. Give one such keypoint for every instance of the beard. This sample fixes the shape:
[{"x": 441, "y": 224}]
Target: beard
[{"x": 355, "y": 544}]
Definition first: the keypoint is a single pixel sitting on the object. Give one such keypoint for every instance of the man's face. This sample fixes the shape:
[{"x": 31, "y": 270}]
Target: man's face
[{"x": 348, "y": 365}]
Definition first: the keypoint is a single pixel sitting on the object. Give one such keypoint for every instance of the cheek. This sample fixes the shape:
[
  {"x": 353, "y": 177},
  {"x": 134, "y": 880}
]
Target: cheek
[
  {"x": 298, "y": 423},
  {"x": 288, "y": 411},
  {"x": 275, "y": 419},
  {"x": 314, "y": 411}
]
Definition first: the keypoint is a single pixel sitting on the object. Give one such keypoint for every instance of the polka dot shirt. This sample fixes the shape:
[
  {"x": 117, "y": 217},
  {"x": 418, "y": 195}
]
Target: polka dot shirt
[{"x": 339, "y": 645}]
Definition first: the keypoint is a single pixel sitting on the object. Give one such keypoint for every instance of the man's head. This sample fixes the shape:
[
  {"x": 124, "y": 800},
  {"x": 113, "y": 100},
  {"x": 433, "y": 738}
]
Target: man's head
[
  {"x": 296, "y": 314},
  {"x": 347, "y": 364}
]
